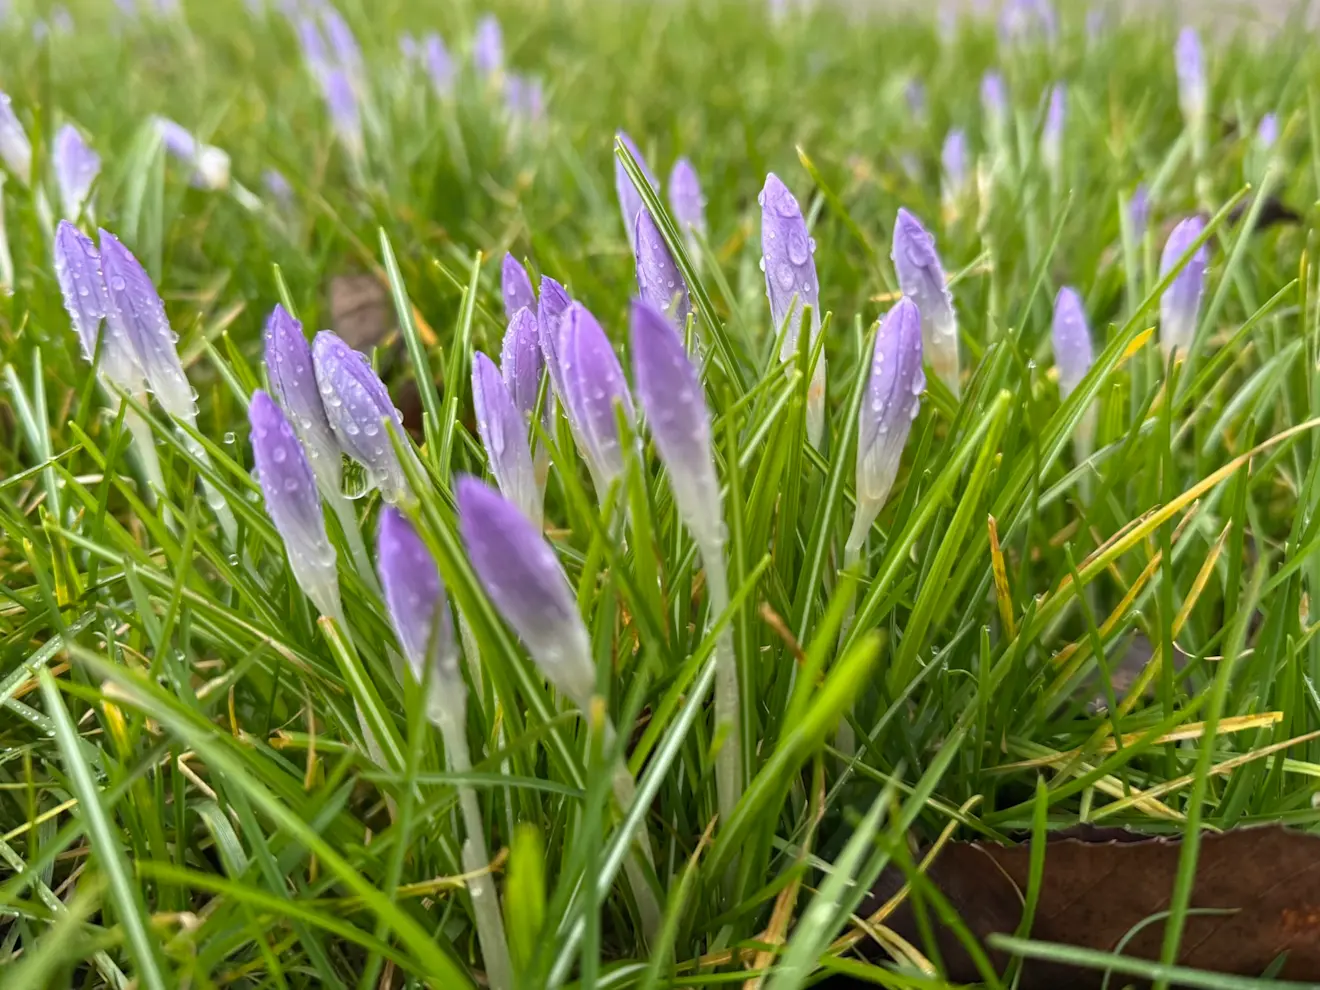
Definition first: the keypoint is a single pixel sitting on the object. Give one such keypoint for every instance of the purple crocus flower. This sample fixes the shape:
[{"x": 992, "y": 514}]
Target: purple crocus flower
[
  {"x": 994, "y": 101},
  {"x": 521, "y": 360},
  {"x": 503, "y": 431},
  {"x": 658, "y": 279},
  {"x": 1051, "y": 137},
  {"x": 357, "y": 406},
  {"x": 1139, "y": 210},
  {"x": 687, "y": 203},
  {"x": 1096, "y": 24},
  {"x": 345, "y": 116},
  {"x": 488, "y": 47},
  {"x": 312, "y": 43},
  {"x": 593, "y": 386},
  {"x": 670, "y": 392},
  {"x": 78, "y": 271},
  {"x": 76, "y": 168},
  {"x": 347, "y": 52},
  {"x": 524, "y": 97},
  {"x": 953, "y": 161},
  {"x": 416, "y": 603},
  {"x": 409, "y": 48},
  {"x": 891, "y": 403},
  {"x": 550, "y": 311},
  {"x": 15, "y": 148},
  {"x": 515, "y": 286},
  {"x": 277, "y": 186},
  {"x": 630, "y": 200},
  {"x": 525, "y": 582},
  {"x": 136, "y": 313},
  {"x": 1072, "y": 340},
  {"x": 921, "y": 277},
  {"x": 1267, "y": 131},
  {"x": 439, "y": 64},
  {"x": 1181, "y": 303},
  {"x": 791, "y": 285},
  {"x": 1021, "y": 21},
  {"x": 210, "y": 164},
  {"x": 1189, "y": 62},
  {"x": 294, "y": 503},
  {"x": 915, "y": 94},
  {"x": 176, "y": 138},
  {"x": 293, "y": 380}
]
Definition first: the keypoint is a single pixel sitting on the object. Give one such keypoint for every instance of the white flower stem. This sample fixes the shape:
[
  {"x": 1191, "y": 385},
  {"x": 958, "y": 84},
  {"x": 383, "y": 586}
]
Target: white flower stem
[
  {"x": 641, "y": 861},
  {"x": 845, "y": 740},
  {"x": 144, "y": 450},
  {"x": 728, "y": 726},
  {"x": 357, "y": 548},
  {"x": 214, "y": 497}
]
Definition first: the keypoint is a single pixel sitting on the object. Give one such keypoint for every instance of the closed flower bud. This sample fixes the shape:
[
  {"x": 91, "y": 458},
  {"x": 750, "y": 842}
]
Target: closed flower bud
[
  {"x": 953, "y": 162},
  {"x": 76, "y": 168},
  {"x": 994, "y": 101},
  {"x": 293, "y": 380},
  {"x": 630, "y": 200},
  {"x": 521, "y": 361},
  {"x": 15, "y": 148},
  {"x": 503, "y": 431},
  {"x": 1051, "y": 138},
  {"x": 525, "y": 582},
  {"x": 1139, "y": 211},
  {"x": 1180, "y": 306},
  {"x": 78, "y": 271},
  {"x": 1189, "y": 62},
  {"x": 686, "y": 201},
  {"x": 516, "y": 287},
  {"x": 294, "y": 503},
  {"x": 345, "y": 116},
  {"x": 594, "y": 387},
  {"x": 1072, "y": 340},
  {"x": 415, "y": 600},
  {"x": 550, "y": 311},
  {"x": 488, "y": 47},
  {"x": 1267, "y": 131},
  {"x": 439, "y": 64},
  {"x": 659, "y": 281},
  {"x": 921, "y": 277}
]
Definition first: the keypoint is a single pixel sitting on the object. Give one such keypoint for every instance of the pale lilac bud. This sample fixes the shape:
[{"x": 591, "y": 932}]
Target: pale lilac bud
[
  {"x": 409, "y": 48},
  {"x": 15, "y": 148},
  {"x": 1189, "y": 61},
  {"x": 488, "y": 46},
  {"x": 953, "y": 161},
  {"x": 1180, "y": 305},
  {"x": 312, "y": 43},
  {"x": 137, "y": 313},
  {"x": 1051, "y": 138},
  {"x": 210, "y": 164},
  {"x": 176, "y": 138},
  {"x": 687, "y": 203},
  {"x": 293, "y": 380},
  {"x": 994, "y": 99},
  {"x": 593, "y": 387},
  {"x": 1139, "y": 211},
  {"x": 521, "y": 361},
  {"x": 550, "y": 311},
  {"x": 293, "y": 503},
  {"x": 1022, "y": 21},
  {"x": 277, "y": 186},
  {"x": 525, "y": 582},
  {"x": 1071, "y": 337},
  {"x": 630, "y": 200},
  {"x": 345, "y": 116},
  {"x": 1096, "y": 24},
  {"x": 415, "y": 600},
  {"x": 78, "y": 271},
  {"x": 524, "y": 97},
  {"x": 439, "y": 64},
  {"x": 516, "y": 287},
  {"x": 915, "y": 94},
  {"x": 675, "y": 406},
  {"x": 347, "y": 52},
  {"x": 358, "y": 406},
  {"x": 76, "y": 168},
  {"x": 921, "y": 277},
  {"x": 503, "y": 432},
  {"x": 890, "y": 404},
  {"x": 1267, "y": 132},
  {"x": 658, "y": 279}
]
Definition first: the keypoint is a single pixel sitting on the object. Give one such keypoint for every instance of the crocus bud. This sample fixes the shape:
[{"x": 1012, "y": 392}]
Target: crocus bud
[
  {"x": 78, "y": 270},
  {"x": 630, "y": 200},
  {"x": 593, "y": 386},
  {"x": 210, "y": 164},
  {"x": 658, "y": 279},
  {"x": 516, "y": 287},
  {"x": 15, "y": 148},
  {"x": 521, "y": 361},
  {"x": 1072, "y": 340},
  {"x": 1139, "y": 211},
  {"x": 550, "y": 310},
  {"x": 345, "y": 116},
  {"x": 293, "y": 380},
  {"x": 488, "y": 47},
  {"x": 1267, "y": 131},
  {"x": 277, "y": 186},
  {"x": 1189, "y": 62},
  {"x": 503, "y": 431},
  {"x": 357, "y": 406},
  {"x": 176, "y": 138},
  {"x": 791, "y": 285},
  {"x": 1180, "y": 305},
  {"x": 293, "y": 503},
  {"x": 921, "y": 277},
  {"x": 137, "y": 314},
  {"x": 439, "y": 64},
  {"x": 76, "y": 168},
  {"x": 415, "y": 600},
  {"x": 686, "y": 201},
  {"x": 994, "y": 102},
  {"x": 1051, "y": 137},
  {"x": 953, "y": 161},
  {"x": 347, "y": 52},
  {"x": 676, "y": 414},
  {"x": 914, "y": 92},
  {"x": 891, "y": 403},
  {"x": 312, "y": 43},
  {"x": 525, "y": 582}
]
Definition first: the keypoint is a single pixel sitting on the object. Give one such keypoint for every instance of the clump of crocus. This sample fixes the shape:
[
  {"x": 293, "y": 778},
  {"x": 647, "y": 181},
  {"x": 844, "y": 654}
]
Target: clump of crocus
[
  {"x": 953, "y": 166},
  {"x": 630, "y": 200},
  {"x": 516, "y": 287},
  {"x": 76, "y": 168},
  {"x": 791, "y": 285},
  {"x": 675, "y": 406},
  {"x": 358, "y": 406},
  {"x": 1189, "y": 64},
  {"x": 1073, "y": 355},
  {"x": 488, "y": 47},
  {"x": 921, "y": 277},
  {"x": 503, "y": 432},
  {"x": 551, "y": 307},
  {"x": 1180, "y": 306},
  {"x": 419, "y": 612},
  {"x": 594, "y": 390},
  {"x": 687, "y": 203},
  {"x": 659, "y": 281},
  {"x": 293, "y": 503},
  {"x": 15, "y": 148},
  {"x": 1051, "y": 137}
]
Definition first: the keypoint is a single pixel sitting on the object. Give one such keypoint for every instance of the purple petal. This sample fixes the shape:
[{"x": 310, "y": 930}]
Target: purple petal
[
  {"x": 593, "y": 386},
  {"x": 1051, "y": 138},
  {"x": 503, "y": 431},
  {"x": 1139, "y": 211},
  {"x": 78, "y": 271},
  {"x": 921, "y": 277},
  {"x": 293, "y": 502},
  {"x": 1189, "y": 62},
  {"x": 176, "y": 138},
  {"x": 630, "y": 200},
  {"x": 525, "y": 582},
  {"x": 521, "y": 361},
  {"x": 76, "y": 168},
  {"x": 994, "y": 98},
  {"x": 439, "y": 64},
  {"x": 550, "y": 311},
  {"x": 675, "y": 406},
  {"x": 1181, "y": 303},
  {"x": 953, "y": 159},
  {"x": 1267, "y": 132},
  {"x": 516, "y": 287},
  {"x": 342, "y": 41},
  {"x": 415, "y": 599},
  {"x": 15, "y": 148},
  {"x": 1072, "y": 340},
  {"x": 277, "y": 186},
  {"x": 685, "y": 199},
  {"x": 658, "y": 279},
  {"x": 293, "y": 380},
  {"x": 488, "y": 46},
  {"x": 345, "y": 116},
  {"x": 312, "y": 43}
]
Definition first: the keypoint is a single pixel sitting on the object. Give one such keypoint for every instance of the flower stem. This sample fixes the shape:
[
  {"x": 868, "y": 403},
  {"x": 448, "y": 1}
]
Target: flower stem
[
  {"x": 728, "y": 761},
  {"x": 637, "y": 866}
]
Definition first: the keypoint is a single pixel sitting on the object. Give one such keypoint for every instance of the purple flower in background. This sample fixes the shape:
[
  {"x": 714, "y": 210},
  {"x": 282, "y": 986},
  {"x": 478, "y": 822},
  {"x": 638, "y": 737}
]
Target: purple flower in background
[
  {"x": 953, "y": 163},
  {"x": 312, "y": 43},
  {"x": 347, "y": 52},
  {"x": 1180, "y": 305},
  {"x": 524, "y": 97},
  {"x": 503, "y": 431},
  {"x": 791, "y": 285},
  {"x": 176, "y": 138},
  {"x": 1072, "y": 340},
  {"x": 1139, "y": 210},
  {"x": 409, "y": 48},
  {"x": 1267, "y": 132},
  {"x": 1026, "y": 20},
  {"x": 294, "y": 503},
  {"x": 293, "y": 380},
  {"x": 550, "y": 311},
  {"x": 670, "y": 392},
  {"x": 210, "y": 164},
  {"x": 1096, "y": 24},
  {"x": 357, "y": 406},
  {"x": 525, "y": 582},
  {"x": 61, "y": 21},
  {"x": 415, "y": 600},
  {"x": 277, "y": 186},
  {"x": 921, "y": 277},
  {"x": 137, "y": 314},
  {"x": 994, "y": 100},
  {"x": 521, "y": 361},
  {"x": 345, "y": 116},
  {"x": 1189, "y": 61},
  {"x": 78, "y": 271},
  {"x": 890, "y": 404},
  {"x": 1051, "y": 137},
  {"x": 515, "y": 286},
  {"x": 630, "y": 200},
  {"x": 488, "y": 47},
  {"x": 687, "y": 203},
  {"x": 659, "y": 281},
  {"x": 593, "y": 387},
  {"x": 915, "y": 95},
  {"x": 76, "y": 168},
  {"x": 439, "y": 64},
  {"x": 15, "y": 148}
]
